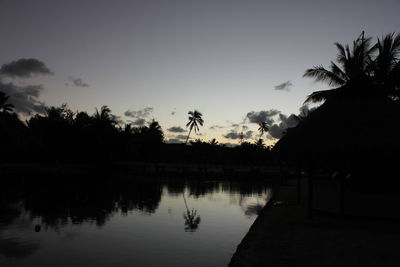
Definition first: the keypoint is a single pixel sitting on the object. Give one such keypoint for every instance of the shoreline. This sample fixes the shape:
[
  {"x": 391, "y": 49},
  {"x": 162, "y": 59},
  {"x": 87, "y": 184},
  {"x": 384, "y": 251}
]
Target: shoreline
[{"x": 282, "y": 235}]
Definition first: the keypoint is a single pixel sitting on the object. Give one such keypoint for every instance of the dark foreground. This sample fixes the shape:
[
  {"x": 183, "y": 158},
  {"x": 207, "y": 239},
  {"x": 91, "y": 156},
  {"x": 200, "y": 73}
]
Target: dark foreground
[{"x": 283, "y": 235}]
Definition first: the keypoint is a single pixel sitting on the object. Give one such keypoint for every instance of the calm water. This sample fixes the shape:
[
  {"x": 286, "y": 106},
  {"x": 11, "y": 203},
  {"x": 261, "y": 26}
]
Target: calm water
[{"x": 125, "y": 223}]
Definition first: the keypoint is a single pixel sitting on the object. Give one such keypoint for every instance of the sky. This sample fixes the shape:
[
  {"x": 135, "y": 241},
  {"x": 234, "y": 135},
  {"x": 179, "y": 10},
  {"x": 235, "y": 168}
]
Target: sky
[{"x": 237, "y": 62}]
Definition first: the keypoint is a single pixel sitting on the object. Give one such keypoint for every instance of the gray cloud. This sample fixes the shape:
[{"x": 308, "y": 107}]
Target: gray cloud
[
  {"x": 78, "y": 82},
  {"x": 277, "y": 122},
  {"x": 181, "y": 137},
  {"x": 236, "y": 135},
  {"x": 173, "y": 141},
  {"x": 24, "y": 98},
  {"x": 139, "y": 116},
  {"x": 262, "y": 116},
  {"x": 138, "y": 122},
  {"x": 213, "y": 127},
  {"x": 284, "y": 86},
  {"x": 176, "y": 129},
  {"x": 139, "y": 113},
  {"x": 24, "y": 68}
]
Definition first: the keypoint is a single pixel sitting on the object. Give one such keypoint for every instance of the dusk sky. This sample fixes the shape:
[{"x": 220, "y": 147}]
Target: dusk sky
[{"x": 160, "y": 59}]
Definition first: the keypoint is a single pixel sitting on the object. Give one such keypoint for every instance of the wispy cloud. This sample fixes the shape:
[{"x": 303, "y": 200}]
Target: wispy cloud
[
  {"x": 176, "y": 129},
  {"x": 78, "y": 82},
  {"x": 284, "y": 86}
]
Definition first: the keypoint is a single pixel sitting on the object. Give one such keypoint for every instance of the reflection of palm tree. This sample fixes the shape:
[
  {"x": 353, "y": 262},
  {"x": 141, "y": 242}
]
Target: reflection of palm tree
[
  {"x": 194, "y": 121},
  {"x": 192, "y": 220},
  {"x": 4, "y": 106},
  {"x": 262, "y": 128}
]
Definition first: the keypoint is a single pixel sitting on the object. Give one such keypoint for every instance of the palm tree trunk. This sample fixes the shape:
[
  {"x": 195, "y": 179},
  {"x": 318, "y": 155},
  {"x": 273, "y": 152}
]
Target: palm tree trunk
[{"x": 187, "y": 138}]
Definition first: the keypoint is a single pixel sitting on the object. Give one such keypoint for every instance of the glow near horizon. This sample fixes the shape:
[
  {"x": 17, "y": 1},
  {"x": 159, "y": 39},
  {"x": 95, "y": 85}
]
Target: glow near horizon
[{"x": 220, "y": 57}]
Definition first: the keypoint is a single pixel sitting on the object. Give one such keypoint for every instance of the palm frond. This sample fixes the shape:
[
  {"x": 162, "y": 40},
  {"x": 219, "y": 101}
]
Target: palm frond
[
  {"x": 319, "y": 96},
  {"x": 320, "y": 74}
]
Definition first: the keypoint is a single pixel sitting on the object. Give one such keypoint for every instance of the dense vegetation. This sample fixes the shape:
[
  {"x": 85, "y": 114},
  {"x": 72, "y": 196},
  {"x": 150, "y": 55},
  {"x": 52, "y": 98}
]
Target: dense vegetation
[{"x": 63, "y": 135}]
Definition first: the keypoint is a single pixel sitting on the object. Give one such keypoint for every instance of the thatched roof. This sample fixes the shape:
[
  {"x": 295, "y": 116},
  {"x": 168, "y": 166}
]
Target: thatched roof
[{"x": 344, "y": 126}]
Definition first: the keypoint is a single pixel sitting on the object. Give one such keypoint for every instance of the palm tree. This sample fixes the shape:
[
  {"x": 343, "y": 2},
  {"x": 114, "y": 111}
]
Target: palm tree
[
  {"x": 4, "y": 106},
  {"x": 194, "y": 121},
  {"x": 386, "y": 66},
  {"x": 213, "y": 142},
  {"x": 104, "y": 118},
  {"x": 262, "y": 128},
  {"x": 352, "y": 74}
]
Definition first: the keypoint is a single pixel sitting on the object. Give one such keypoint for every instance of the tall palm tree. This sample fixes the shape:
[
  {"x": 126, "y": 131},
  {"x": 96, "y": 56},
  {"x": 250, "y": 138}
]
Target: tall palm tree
[
  {"x": 262, "y": 128},
  {"x": 194, "y": 121},
  {"x": 4, "y": 106},
  {"x": 386, "y": 66},
  {"x": 352, "y": 73}
]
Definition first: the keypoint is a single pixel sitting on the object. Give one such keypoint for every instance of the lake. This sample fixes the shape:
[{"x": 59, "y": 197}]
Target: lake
[{"x": 126, "y": 222}]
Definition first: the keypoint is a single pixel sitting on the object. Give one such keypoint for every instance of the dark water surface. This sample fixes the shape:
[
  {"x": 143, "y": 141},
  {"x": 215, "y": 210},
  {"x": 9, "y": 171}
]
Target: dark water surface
[{"x": 126, "y": 222}]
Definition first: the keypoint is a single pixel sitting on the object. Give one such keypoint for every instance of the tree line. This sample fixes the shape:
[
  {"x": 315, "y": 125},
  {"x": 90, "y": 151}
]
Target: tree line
[{"x": 63, "y": 135}]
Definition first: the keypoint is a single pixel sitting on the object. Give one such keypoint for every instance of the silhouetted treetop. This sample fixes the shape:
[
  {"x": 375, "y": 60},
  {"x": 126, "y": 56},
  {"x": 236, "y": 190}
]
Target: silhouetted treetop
[
  {"x": 359, "y": 70},
  {"x": 4, "y": 106}
]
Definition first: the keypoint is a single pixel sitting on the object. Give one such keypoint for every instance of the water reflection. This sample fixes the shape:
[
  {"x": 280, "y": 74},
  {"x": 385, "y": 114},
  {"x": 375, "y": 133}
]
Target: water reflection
[
  {"x": 36, "y": 211},
  {"x": 192, "y": 220}
]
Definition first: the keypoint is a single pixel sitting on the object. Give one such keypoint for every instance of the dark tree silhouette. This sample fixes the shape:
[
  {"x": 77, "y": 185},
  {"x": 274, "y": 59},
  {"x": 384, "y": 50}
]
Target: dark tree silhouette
[
  {"x": 360, "y": 72},
  {"x": 262, "y": 128},
  {"x": 195, "y": 119},
  {"x": 350, "y": 76},
  {"x": 386, "y": 66},
  {"x": 103, "y": 119},
  {"x": 4, "y": 106}
]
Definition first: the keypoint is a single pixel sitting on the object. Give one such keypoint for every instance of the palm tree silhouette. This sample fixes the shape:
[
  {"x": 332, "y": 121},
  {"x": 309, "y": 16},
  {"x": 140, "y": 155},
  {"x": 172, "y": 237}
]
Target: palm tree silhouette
[
  {"x": 192, "y": 220},
  {"x": 386, "y": 66},
  {"x": 262, "y": 128},
  {"x": 352, "y": 74},
  {"x": 104, "y": 118},
  {"x": 194, "y": 121},
  {"x": 213, "y": 142},
  {"x": 4, "y": 106}
]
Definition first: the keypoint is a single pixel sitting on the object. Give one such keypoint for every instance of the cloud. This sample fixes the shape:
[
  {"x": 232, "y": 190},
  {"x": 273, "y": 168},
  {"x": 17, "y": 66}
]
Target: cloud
[
  {"x": 78, "y": 82},
  {"x": 173, "y": 141},
  {"x": 139, "y": 113},
  {"x": 284, "y": 86},
  {"x": 139, "y": 116},
  {"x": 262, "y": 116},
  {"x": 236, "y": 135},
  {"x": 138, "y": 122},
  {"x": 24, "y": 68},
  {"x": 181, "y": 137},
  {"x": 176, "y": 129},
  {"x": 213, "y": 127},
  {"x": 277, "y": 122},
  {"x": 24, "y": 98}
]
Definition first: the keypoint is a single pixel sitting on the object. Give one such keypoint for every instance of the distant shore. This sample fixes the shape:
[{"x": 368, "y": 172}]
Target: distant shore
[{"x": 226, "y": 171}]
